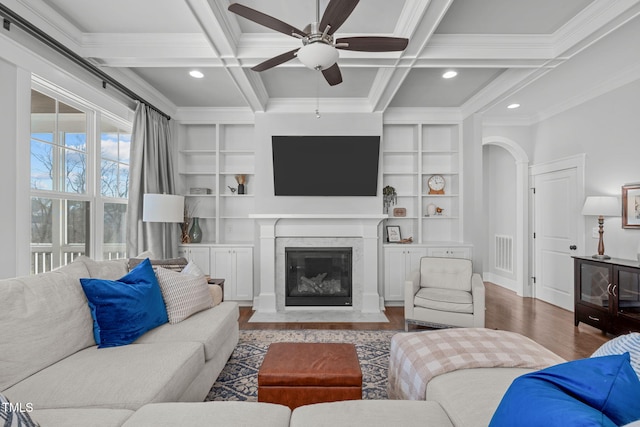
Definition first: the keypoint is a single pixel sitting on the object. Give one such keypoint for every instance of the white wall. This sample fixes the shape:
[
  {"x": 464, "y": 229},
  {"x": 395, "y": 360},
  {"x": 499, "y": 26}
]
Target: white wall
[
  {"x": 474, "y": 225},
  {"x": 269, "y": 124},
  {"x": 607, "y": 130}
]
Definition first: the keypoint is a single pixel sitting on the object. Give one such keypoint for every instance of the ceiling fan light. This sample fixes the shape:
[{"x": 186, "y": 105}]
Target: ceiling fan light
[{"x": 318, "y": 56}]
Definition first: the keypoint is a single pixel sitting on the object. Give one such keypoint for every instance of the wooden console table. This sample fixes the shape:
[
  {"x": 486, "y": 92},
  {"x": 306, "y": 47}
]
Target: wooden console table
[{"x": 607, "y": 294}]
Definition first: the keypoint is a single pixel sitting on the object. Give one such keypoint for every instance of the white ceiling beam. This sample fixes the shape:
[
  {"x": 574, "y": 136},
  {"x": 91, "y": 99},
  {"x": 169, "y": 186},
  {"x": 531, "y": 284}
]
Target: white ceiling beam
[{"x": 425, "y": 17}]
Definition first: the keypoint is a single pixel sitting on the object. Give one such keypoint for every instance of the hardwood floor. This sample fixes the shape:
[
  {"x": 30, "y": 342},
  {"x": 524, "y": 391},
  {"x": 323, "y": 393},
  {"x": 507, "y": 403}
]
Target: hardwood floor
[{"x": 542, "y": 322}]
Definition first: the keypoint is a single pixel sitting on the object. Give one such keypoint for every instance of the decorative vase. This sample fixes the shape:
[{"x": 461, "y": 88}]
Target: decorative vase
[
  {"x": 431, "y": 209},
  {"x": 195, "y": 233},
  {"x": 240, "y": 188}
]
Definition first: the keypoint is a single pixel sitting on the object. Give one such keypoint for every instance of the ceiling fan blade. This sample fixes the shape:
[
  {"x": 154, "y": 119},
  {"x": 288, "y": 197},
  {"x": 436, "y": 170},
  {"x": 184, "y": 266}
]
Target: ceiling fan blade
[
  {"x": 332, "y": 75},
  {"x": 264, "y": 20},
  {"x": 276, "y": 60},
  {"x": 373, "y": 44},
  {"x": 336, "y": 13}
]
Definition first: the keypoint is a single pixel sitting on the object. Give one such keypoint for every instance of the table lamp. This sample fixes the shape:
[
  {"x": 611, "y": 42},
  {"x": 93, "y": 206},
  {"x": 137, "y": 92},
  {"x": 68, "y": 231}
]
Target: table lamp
[
  {"x": 162, "y": 208},
  {"x": 601, "y": 206}
]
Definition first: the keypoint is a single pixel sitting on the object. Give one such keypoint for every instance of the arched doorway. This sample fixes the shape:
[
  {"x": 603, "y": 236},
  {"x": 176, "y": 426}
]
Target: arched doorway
[{"x": 520, "y": 248}]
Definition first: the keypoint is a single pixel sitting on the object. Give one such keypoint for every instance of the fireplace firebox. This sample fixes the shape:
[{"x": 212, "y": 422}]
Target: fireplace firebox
[{"x": 318, "y": 276}]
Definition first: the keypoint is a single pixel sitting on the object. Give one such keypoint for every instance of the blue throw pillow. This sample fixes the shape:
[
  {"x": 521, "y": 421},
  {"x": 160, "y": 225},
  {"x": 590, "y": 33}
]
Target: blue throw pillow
[
  {"x": 126, "y": 308},
  {"x": 599, "y": 391}
]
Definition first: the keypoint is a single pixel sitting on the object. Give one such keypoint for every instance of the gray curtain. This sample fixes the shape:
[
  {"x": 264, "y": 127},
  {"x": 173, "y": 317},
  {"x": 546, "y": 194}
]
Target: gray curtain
[{"x": 150, "y": 171}]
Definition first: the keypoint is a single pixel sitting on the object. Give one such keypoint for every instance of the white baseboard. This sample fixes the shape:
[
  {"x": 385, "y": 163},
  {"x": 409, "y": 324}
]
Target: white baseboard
[{"x": 504, "y": 282}]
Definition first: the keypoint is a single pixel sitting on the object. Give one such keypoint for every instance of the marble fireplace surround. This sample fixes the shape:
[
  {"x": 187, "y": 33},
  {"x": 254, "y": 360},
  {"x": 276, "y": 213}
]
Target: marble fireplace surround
[{"x": 277, "y": 231}]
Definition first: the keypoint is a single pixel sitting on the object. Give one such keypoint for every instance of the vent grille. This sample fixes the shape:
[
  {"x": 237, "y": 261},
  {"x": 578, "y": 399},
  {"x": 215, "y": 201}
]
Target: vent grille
[{"x": 504, "y": 253}]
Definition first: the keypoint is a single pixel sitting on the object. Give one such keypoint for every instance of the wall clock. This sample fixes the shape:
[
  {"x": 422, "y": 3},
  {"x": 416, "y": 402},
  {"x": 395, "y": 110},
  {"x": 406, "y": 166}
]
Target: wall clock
[{"x": 436, "y": 184}]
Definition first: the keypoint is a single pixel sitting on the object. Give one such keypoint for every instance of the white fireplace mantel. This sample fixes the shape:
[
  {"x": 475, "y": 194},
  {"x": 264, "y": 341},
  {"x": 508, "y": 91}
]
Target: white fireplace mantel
[{"x": 362, "y": 226}]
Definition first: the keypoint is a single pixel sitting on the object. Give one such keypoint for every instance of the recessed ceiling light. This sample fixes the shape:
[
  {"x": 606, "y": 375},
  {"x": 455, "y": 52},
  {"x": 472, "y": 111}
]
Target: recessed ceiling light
[
  {"x": 512, "y": 106},
  {"x": 449, "y": 74},
  {"x": 196, "y": 74}
]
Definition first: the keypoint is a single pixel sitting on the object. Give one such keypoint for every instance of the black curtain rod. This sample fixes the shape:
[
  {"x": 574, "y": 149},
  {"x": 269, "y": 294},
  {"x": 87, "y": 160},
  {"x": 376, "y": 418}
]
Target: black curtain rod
[{"x": 11, "y": 17}]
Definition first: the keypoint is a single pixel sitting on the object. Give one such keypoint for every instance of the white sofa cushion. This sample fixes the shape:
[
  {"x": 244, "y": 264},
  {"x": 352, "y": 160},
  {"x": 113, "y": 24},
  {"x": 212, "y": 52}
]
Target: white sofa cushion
[
  {"x": 210, "y": 327},
  {"x": 206, "y": 414},
  {"x": 452, "y": 300},
  {"x": 124, "y": 377},
  {"x": 111, "y": 269},
  {"x": 450, "y": 273},
  {"x": 370, "y": 413},
  {"x": 81, "y": 417},
  {"x": 471, "y": 396},
  {"x": 44, "y": 318}
]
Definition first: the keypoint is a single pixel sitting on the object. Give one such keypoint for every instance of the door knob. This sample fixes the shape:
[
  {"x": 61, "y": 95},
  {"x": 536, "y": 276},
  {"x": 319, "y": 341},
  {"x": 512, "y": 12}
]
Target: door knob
[{"x": 573, "y": 247}]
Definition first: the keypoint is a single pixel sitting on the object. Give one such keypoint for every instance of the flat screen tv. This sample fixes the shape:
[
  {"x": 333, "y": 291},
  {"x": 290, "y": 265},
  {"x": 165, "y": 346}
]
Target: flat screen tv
[{"x": 325, "y": 165}]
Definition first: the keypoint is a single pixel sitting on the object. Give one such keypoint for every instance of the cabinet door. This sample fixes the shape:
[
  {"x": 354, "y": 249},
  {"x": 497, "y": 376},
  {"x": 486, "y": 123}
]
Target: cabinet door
[
  {"x": 200, "y": 256},
  {"x": 394, "y": 274},
  {"x": 242, "y": 259},
  {"x": 593, "y": 284},
  {"x": 626, "y": 293},
  {"x": 221, "y": 269}
]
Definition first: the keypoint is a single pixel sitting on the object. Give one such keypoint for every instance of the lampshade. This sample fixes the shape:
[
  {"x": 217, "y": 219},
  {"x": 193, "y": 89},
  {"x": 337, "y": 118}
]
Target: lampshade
[
  {"x": 318, "y": 56},
  {"x": 601, "y": 206},
  {"x": 163, "y": 208}
]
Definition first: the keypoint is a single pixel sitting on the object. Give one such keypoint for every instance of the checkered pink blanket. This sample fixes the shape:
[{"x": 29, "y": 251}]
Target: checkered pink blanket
[{"x": 417, "y": 357}]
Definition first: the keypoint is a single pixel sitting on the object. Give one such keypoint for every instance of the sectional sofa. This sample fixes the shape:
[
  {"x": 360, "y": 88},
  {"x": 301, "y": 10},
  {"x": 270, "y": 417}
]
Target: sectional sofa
[{"x": 50, "y": 365}]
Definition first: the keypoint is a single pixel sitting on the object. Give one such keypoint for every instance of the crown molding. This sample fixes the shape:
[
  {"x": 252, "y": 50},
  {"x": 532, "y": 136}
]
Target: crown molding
[
  {"x": 503, "y": 120},
  {"x": 198, "y": 115},
  {"x": 325, "y": 105},
  {"x": 409, "y": 115},
  {"x": 49, "y": 20}
]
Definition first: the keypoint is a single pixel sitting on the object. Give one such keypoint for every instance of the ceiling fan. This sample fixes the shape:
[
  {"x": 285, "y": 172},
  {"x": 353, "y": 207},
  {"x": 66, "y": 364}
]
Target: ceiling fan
[{"x": 319, "y": 49}]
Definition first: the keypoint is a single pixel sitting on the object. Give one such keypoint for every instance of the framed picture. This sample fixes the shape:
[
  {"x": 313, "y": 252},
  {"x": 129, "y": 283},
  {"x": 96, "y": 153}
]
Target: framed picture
[
  {"x": 631, "y": 206},
  {"x": 393, "y": 234}
]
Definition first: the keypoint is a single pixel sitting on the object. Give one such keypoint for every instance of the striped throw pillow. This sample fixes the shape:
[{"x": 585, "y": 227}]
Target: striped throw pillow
[
  {"x": 184, "y": 294},
  {"x": 624, "y": 343}
]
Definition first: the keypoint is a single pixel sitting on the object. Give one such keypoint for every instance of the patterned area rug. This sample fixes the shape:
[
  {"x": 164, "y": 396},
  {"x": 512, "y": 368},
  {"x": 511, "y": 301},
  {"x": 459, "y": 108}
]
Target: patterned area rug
[{"x": 239, "y": 378}]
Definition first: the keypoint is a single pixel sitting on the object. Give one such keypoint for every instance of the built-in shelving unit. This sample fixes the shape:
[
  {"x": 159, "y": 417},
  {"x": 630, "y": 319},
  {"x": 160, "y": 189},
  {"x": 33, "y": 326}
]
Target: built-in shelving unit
[
  {"x": 210, "y": 158},
  {"x": 412, "y": 153},
  {"x": 211, "y": 155}
]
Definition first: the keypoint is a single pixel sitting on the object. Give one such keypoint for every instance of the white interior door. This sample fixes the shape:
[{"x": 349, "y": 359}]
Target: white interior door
[{"x": 556, "y": 209}]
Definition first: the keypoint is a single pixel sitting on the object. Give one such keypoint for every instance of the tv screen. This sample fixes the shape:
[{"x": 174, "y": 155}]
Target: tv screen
[{"x": 325, "y": 165}]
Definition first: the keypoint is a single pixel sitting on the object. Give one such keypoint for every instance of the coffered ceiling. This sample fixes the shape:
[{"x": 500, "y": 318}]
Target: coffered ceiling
[{"x": 541, "y": 54}]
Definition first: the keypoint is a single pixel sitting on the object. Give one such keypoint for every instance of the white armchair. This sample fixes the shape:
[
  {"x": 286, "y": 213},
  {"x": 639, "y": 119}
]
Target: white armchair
[{"x": 444, "y": 292}]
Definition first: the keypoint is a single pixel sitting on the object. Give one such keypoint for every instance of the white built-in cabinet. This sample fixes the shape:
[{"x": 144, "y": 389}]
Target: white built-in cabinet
[
  {"x": 210, "y": 156},
  {"x": 235, "y": 265},
  {"x": 198, "y": 254},
  {"x": 411, "y": 154}
]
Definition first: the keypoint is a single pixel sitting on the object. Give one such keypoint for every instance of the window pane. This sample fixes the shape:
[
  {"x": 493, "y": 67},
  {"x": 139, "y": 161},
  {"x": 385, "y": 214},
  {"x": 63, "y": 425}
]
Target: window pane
[
  {"x": 41, "y": 234},
  {"x": 75, "y": 172},
  {"x": 125, "y": 147},
  {"x": 42, "y": 136},
  {"x": 109, "y": 145},
  {"x": 109, "y": 178},
  {"x": 123, "y": 181},
  {"x": 41, "y": 220},
  {"x": 76, "y": 214},
  {"x": 41, "y": 166},
  {"x": 77, "y": 141},
  {"x": 115, "y": 244}
]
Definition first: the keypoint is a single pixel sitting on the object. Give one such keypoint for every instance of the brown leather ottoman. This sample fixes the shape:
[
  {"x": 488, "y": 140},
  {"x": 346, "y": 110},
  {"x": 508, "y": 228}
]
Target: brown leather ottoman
[{"x": 296, "y": 374}]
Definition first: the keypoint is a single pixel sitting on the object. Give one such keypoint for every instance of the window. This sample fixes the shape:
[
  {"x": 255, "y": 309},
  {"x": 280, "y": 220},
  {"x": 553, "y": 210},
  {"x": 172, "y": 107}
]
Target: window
[{"x": 79, "y": 181}]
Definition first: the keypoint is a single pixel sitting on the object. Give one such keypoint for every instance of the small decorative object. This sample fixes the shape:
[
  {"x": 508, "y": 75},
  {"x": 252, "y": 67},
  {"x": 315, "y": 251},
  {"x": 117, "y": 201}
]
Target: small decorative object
[
  {"x": 399, "y": 212},
  {"x": 631, "y": 206},
  {"x": 241, "y": 180},
  {"x": 186, "y": 220},
  {"x": 199, "y": 190},
  {"x": 389, "y": 196},
  {"x": 195, "y": 233},
  {"x": 407, "y": 240},
  {"x": 431, "y": 209},
  {"x": 233, "y": 190},
  {"x": 393, "y": 234},
  {"x": 436, "y": 184},
  {"x": 439, "y": 210}
]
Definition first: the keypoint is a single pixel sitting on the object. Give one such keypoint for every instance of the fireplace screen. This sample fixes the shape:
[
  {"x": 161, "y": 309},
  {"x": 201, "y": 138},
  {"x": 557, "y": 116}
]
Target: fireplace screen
[{"x": 318, "y": 276}]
